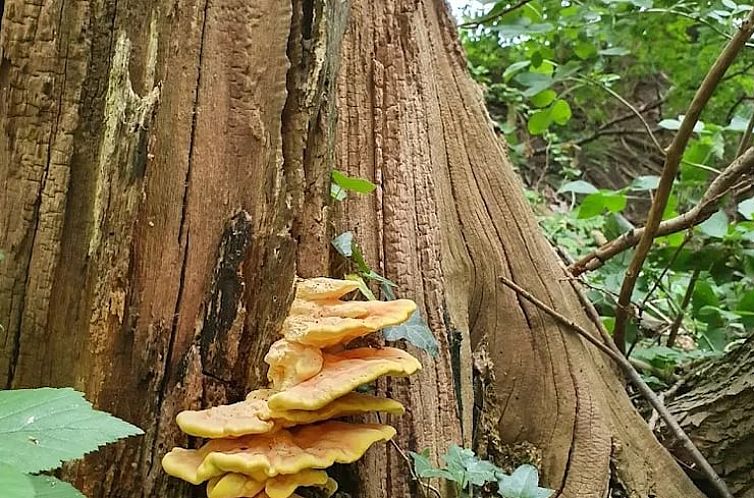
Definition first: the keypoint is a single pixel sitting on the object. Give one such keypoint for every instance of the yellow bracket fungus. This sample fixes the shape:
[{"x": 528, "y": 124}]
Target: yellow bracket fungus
[{"x": 283, "y": 438}]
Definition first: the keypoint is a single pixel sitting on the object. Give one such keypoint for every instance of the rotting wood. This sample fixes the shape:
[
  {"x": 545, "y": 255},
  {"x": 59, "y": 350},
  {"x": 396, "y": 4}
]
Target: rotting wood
[{"x": 125, "y": 322}]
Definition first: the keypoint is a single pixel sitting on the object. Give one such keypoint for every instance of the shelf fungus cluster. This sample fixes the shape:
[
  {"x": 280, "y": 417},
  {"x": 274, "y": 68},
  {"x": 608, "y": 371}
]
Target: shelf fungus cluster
[{"x": 283, "y": 438}]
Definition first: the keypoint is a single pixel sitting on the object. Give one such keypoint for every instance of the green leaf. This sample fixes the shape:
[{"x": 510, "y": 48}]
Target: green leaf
[
  {"x": 560, "y": 112},
  {"x": 746, "y": 208},
  {"x": 523, "y": 483},
  {"x": 521, "y": 28},
  {"x": 534, "y": 82},
  {"x": 343, "y": 243},
  {"x": 42, "y": 428},
  {"x": 648, "y": 182},
  {"x": 50, "y": 487},
  {"x": 15, "y": 484},
  {"x": 704, "y": 295},
  {"x": 416, "y": 332},
  {"x": 363, "y": 288},
  {"x": 468, "y": 468},
  {"x": 515, "y": 68},
  {"x": 578, "y": 187},
  {"x": 543, "y": 98},
  {"x": 669, "y": 124},
  {"x": 716, "y": 225},
  {"x": 615, "y": 51},
  {"x": 584, "y": 50},
  {"x": 337, "y": 192},
  {"x": 359, "y": 185},
  {"x": 539, "y": 122},
  {"x": 597, "y": 203},
  {"x": 424, "y": 468}
]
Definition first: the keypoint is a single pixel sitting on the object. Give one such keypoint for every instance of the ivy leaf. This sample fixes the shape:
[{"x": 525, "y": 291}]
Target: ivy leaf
[
  {"x": 15, "y": 484},
  {"x": 647, "y": 182},
  {"x": 424, "y": 468},
  {"x": 615, "y": 51},
  {"x": 746, "y": 208},
  {"x": 343, "y": 243},
  {"x": 578, "y": 187},
  {"x": 534, "y": 82},
  {"x": 523, "y": 483},
  {"x": 49, "y": 487},
  {"x": 416, "y": 332},
  {"x": 42, "y": 428},
  {"x": 716, "y": 226},
  {"x": 354, "y": 184}
]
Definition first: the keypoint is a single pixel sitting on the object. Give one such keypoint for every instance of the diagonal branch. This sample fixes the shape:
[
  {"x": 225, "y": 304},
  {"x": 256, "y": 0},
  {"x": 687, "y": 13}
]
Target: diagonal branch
[
  {"x": 727, "y": 180},
  {"x": 611, "y": 350},
  {"x": 670, "y": 169}
]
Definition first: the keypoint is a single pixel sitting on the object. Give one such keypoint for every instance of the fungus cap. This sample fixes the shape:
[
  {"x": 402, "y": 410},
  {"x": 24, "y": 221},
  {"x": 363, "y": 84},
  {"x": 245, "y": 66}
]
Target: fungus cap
[
  {"x": 227, "y": 421},
  {"x": 283, "y": 452},
  {"x": 345, "y": 406},
  {"x": 343, "y": 372},
  {"x": 292, "y": 363},
  {"x": 328, "y": 323},
  {"x": 283, "y": 486},
  {"x": 321, "y": 288}
]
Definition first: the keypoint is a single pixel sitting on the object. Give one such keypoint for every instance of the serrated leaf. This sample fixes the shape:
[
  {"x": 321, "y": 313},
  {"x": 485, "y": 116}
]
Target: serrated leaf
[
  {"x": 416, "y": 332},
  {"x": 42, "y": 428},
  {"x": 15, "y": 484},
  {"x": 746, "y": 208},
  {"x": 578, "y": 187},
  {"x": 50, "y": 487},
  {"x": 343, "y": 243},
  {"x": 716, "y": 225},
  {"x": 352, "y": 183}
]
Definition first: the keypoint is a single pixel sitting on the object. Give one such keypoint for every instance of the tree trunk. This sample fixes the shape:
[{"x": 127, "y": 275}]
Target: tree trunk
[
  {"x": 715, "y": 406},
  {"x": 164, "y": 174}
]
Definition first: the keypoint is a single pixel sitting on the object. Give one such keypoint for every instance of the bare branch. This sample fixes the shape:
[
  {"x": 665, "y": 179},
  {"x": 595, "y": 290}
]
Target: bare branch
[
  {"x": 634, "y": 377},
  {"x": 493, "y": 16},
  {"x": 670, "y": 169}
]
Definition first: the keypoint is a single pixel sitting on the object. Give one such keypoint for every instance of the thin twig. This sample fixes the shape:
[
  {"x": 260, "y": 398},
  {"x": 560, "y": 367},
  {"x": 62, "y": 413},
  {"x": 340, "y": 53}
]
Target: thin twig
[
  {"x": 703, "y": 210},
  {"x": 634, "y": 377},
  {"x": 746, "y": 138},
  {"x": 493, "y": 16},
  {"x": 670, "y": 169},
  {"x": 630, "y": 106},
  {"x": 684, "y": 304}
]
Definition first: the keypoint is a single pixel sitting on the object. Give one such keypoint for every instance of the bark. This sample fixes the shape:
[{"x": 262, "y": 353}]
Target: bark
[
  {"x": 714, "y": 406},
  {"x": 164, "y": 174}
]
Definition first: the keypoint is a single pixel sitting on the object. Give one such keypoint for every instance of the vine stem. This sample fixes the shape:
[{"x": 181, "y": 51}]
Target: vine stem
[{"x": 610, "y": 349}]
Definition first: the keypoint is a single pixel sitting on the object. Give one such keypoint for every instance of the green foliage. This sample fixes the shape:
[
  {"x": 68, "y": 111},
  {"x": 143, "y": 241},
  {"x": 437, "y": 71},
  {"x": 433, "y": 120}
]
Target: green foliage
[
  {"x": 341, "y": 183},
  {"x": 415, "y": 330},
  {"x": 467, "y": 471},
  {"x": 42, "y": 428}
]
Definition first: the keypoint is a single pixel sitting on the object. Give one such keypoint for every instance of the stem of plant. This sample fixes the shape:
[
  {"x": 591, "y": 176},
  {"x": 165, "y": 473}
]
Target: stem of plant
[{"x": 634, "y": 377}]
